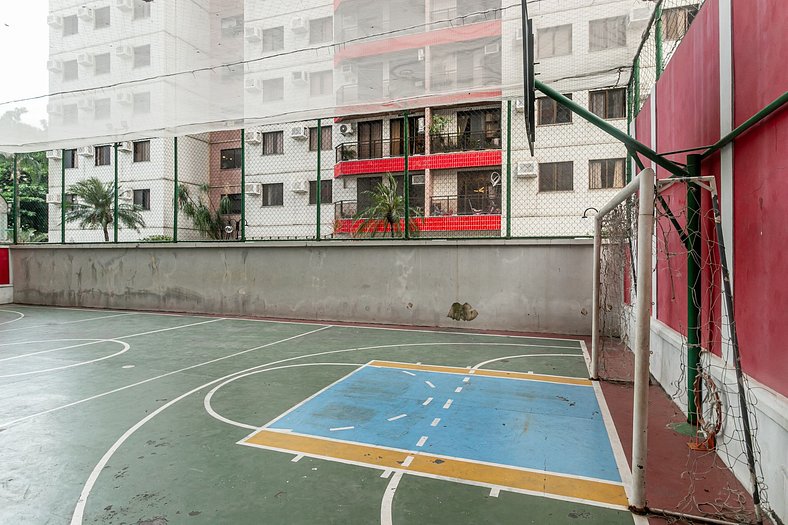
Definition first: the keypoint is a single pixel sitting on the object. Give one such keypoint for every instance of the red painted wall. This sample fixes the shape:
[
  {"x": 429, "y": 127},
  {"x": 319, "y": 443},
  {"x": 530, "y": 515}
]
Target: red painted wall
[
  {"x": 5, "y": 268},
  {"x": 760, "y": 49},
  {"x": 465, "y": 159}
]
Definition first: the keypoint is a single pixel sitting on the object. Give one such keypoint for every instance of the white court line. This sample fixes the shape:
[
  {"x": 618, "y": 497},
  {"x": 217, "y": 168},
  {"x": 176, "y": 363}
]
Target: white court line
[
  {"x": 429, "y": 384},
  {"x": 388, "y": 499},
  {"x": 92, "y": 342},
  {"x": 427, "y": 401},
  {"x": 458, "y": 390},
  {"x": 448, "y": 403},
  {"x": 297, "y": 458},
  {"x": 20, "y": 314},
  {"x": 466, "y": 379},
  {"x": 337, "y": 429},
  {"x": 386, "y": 474},
  {"x": 519, "y": 356},
  {"x": 408, "y": 461},
  {"x": 494, "y": 492},
  {"x": 435, "y": 422},
  {"x": 409, "y": 373},
  {"x": 421, "y": 441},
  {"x": 32, "y": 372},
  {"x": 397, "y": 417},
  {"x": 67, "y": 322}
]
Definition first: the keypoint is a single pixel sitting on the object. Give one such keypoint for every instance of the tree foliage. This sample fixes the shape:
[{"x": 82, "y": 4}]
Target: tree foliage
[
  {"x": 386, "y": 211},
  {"x": 95, "y": 207},
  {"x": 32, "y": 189},
  {"x": 207, "y": 218}
]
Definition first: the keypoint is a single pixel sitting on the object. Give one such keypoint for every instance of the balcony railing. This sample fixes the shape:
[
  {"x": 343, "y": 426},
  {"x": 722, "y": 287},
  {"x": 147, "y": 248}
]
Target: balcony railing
[
  {"x": 481, "y": 140},
  {"x": 378, "y": 149},
  {"x": 345, "y": 209},
  {"x": 473, "y": 204}
]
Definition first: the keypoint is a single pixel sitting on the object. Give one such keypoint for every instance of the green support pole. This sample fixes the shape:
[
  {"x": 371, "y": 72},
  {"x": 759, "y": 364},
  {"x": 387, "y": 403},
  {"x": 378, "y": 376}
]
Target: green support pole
[
  {"x": 175, "y": 193},
  {"x": 243, "y": 187},
  {"x": 629, "y": 131},
  {"x": 16, "y": 201},
  {"x": 62, "y": 196},
  {"x": 508, "y": 169},
  {"x": 658, "y": 39},
  {"x": 319, "y": 200},
  {"x": 407, "y": 179},
  {"x": 636, "y": 84},
  {"x": 693, "y": 289},
  {"x": 115, "y": 212}
]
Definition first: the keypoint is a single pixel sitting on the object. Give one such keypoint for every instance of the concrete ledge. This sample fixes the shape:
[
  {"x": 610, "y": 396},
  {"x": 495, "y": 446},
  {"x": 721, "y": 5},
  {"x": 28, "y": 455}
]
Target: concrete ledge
[{"x": 6, "y": 294}]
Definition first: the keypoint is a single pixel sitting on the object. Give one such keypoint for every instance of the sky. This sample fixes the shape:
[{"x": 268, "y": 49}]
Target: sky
[{"x": 24, "y": 41}]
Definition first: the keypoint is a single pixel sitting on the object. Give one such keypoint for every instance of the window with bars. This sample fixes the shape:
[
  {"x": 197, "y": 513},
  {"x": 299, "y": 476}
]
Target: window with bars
[
  {"x": 102, "y": 155},
  {"x": 556, "y": 176},
  {"x": 273, "y": 39},
  {"x": 551, "y": 112},
  {"x": 554, "y": 41},
  {"x": 273, "y": 143},
  {"x": 325, "y": 139},
  {"x": 321, "y": 30},
  {"x": 273, "y": 194},
  {"x": 231, "y": 159},
  {"x": 607, "y": 33},
  {"x": 326, "y": 187},
  {"x": 142, "y": 199},
  {"x": 609, "y": 103},
  {"x": 606, "y": 173},
  {"x": 70, "y": 159},
  {"x": 141, "y": 151}
]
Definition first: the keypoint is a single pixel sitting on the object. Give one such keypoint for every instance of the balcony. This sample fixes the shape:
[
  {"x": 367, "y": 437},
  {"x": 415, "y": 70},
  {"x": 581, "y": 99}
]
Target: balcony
[
  {"x": 379, "y": 149},
  {"x": 473, "y": 204},
  {"x": 467, "y": 141}
]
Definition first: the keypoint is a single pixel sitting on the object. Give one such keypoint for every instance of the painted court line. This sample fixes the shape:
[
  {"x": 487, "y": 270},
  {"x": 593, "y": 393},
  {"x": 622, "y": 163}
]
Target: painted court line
[
  {"x": 66, "y": 322},
  {"x": 409, "y": 373},
  {"x": 408, "y": 460},
  {"x": 429, "y": 384},
  {"x": 427, "y": 401},
  {"x": 494, "y": 492},
  {"x": 388, "y": 498},
  {"x": 20, "y": 314},
  {"x": 386, "y": 474},
  {"x": 422, "y": 440},
  {"x": 466, "y": 379},
  {"x": 336, "y": 429},
  {"x": 123, "y": 350},
  {"x": 397, "y": 417},
  {"x": 435, "y": 422},
  {"x": 458, "y": 390},
  {"x": 520, "y": 356},
  {"x": 297, "y": 458},
  {"x": 448, "y": 403}
]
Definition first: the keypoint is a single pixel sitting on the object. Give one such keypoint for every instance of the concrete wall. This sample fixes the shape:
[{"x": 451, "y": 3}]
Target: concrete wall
[{"x": 514, "y": 285}]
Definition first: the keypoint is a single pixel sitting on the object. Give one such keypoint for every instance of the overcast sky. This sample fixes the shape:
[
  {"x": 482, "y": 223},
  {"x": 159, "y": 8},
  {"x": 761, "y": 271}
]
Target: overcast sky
[{"x": 24, "y": 41}]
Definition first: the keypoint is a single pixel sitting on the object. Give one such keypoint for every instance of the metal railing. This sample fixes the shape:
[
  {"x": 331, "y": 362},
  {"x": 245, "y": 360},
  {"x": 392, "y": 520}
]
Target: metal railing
[
  {"x": 473, "y": 204},
  {"x": 345, "y": 209},
  {"x": 378, "y": 149},
  {"x": 468, "y": 141}
]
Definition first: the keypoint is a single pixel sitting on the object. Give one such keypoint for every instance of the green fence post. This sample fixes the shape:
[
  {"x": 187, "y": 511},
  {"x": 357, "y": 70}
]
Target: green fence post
[
  {"x": 175, "y": 194},
  {"x": 243, "y": 187},
  {"x": 658, "y": 39},
  {"x": 407, "y": 178},
  {"x": 636, "y": 89},
  {"x": 15, "y": 202},
  {"x": 694, "y": 304},
  {"x": 319, "y": 189},
  {"x": 508, "y": 169},
  {"x": 115, "y": 214},
  {"x": 62, "y": 196}
]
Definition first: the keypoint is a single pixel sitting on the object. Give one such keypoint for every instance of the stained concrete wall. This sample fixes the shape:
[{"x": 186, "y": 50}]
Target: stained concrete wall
[{"x": 542, "y": 286}]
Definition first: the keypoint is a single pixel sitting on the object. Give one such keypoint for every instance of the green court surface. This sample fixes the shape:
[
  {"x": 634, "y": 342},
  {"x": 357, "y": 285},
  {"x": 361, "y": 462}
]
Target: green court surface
[{"x": 144, "y": 418}]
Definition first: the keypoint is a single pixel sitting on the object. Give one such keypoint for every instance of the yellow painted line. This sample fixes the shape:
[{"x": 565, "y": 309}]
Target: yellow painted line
[
  {"x": 481, "y": 372},
  {"x": 458, "y": 469}
]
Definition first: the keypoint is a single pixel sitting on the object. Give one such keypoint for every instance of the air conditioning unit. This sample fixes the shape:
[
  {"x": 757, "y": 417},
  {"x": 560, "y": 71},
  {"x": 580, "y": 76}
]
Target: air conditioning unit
[
  {"x": 254, "y": 137},
  {"x": 420, "y": 54},
  {"x": 253, "y": 34},
  {"x": 518, "y": 34},
  {"x": 299, "y": 132},
  {"x": 417, "y": 180},
  {"x": 300, "y": 77},
  {"x": 124, "y": 51},
  {"x": 124, "y": 98},
  {"x": 527, "y": 169},
  {"x": 519, "y": 105},
  {"x": 55, "y": 21},
  {"x": 124, "y": 5},
  {"x": 85, "y": 13},
  {"x": 55, "y": 66},
  {"x": 253, "y": 188},
  {"x": 125, "y": 146},
  {"x": 86, "y": 104},
  {"x": 85, "y": 59},
  {"x": 54, "y": 198},
  {"x": 420, "y": 125},
  {"x": 87, "y": 151},
  {"x": 347, "y": 129},
  {"x": 298, "y": 24},
  {"x": 53, "y": 108},
  {"x": 492, "y": 49},
  {"x": 253, "y": 84},
  {"x": 639, "y": 16},
  {"x": 53, "y": 154},
  {"x": 300, "y": 186}
]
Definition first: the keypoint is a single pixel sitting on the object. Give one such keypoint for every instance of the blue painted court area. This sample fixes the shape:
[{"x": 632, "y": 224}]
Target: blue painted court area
[{"x": 546, "y": 426}]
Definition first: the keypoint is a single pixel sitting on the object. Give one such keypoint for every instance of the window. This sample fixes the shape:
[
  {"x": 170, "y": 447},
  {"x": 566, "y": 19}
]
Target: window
[
  {"x": 606, "y": 173},
  {"x": 555, "y": 176},
  {"x": 101, "y": 17},
  {"x": 321, "y": 83},
  {"x": 273, "y": 89},
  {"x": 233, "y": 203},
  {"x": 142, "y": 199},
  {"x": 70, "y": 115},
  {"x": 142, "y": 151},
  {"x": 555, "y": 41},
  {"x": 70, "y": 159},
  {"x": 102, "y": 155},
  {"x": 141, "y": 9},
  {"x": 142, "y": 56},
  {"x": 231, "y": 159},
  {"x": 102, "y": 109},
  {"x": 321, "y": 30},
  {"x": 232, "y": 26},
  {"x": 70, "y": 25},
  {"x": 607, "y": 33},
  {"x": 325, "y": 191},
  {"x": 609, "y": 103},
  {"x": 141, "y": 103},
  {"x": 70, "y": 70},
  {"x": 273, "y": 39},
  {"x": 273, "y": 143},
  {"x": 551, "y": 112},
  {"x": 273, "y": 194},
  {"x": 676, "y": 21},
  {"x": 101, "y": 64},
  {"x": 325, "y": 139}
]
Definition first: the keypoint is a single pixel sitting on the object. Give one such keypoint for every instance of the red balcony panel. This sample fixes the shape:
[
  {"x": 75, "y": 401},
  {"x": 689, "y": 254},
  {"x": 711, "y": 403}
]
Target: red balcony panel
[
  {"x": 415, "y": 41},
  {"x": 452, "y": 223},
  {"x": 439, "y": 161}
]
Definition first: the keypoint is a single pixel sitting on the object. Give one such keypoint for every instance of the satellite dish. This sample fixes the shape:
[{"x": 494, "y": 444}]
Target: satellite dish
[{"x": 228, "y": 229}]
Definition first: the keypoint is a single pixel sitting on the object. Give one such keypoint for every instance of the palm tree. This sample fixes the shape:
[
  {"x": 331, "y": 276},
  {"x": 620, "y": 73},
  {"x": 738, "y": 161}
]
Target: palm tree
[
  {"x": 208, "y": 220},
  {"x": 386, "y": 210},
  {"x": 95, "y": 206}
]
